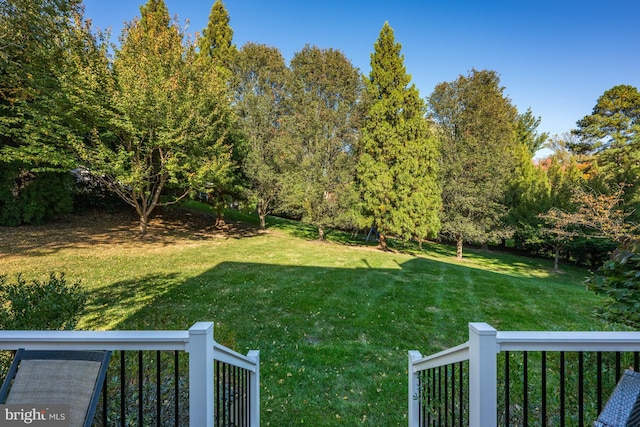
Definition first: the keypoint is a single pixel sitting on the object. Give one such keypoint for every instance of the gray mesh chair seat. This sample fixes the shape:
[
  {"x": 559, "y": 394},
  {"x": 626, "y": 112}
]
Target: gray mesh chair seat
[
  {"x": 57, "y": 377},
  {"x": 623, "y": 407}
]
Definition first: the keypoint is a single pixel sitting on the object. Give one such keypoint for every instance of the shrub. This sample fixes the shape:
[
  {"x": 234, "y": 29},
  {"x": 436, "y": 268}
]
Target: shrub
[
  {"x": 33, "y": 198},
  {"x": 48, "y": 305},
  {"x": 619, "y": 281}
]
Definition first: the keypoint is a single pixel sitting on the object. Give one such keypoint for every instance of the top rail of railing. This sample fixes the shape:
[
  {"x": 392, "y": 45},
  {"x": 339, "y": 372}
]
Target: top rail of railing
[
  {"x": 608, "y": 341},
  {"x": 226, "y": 355},
  {"x": 568, "y": 341},
  {"x": 94, "y": 340},
  {"x": 116, "y": 340},
  {"x": 446, "y": 357}
]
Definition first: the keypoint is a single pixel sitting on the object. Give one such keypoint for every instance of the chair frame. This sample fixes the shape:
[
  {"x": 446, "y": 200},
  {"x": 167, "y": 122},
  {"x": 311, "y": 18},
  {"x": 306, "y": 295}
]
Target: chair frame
[{"x": 80, "y": 355}]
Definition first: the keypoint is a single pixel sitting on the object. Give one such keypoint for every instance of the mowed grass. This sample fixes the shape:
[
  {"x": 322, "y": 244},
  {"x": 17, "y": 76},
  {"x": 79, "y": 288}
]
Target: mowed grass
[{"x": 333, "y": 321}]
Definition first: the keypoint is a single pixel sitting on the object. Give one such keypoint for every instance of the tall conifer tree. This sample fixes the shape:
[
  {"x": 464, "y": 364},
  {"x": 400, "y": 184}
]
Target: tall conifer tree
[
  {"x": 217, "y": 39},
  {"x": 398, "y": 166}
]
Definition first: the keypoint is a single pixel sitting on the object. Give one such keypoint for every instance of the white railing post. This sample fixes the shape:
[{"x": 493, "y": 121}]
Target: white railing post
[
  {"x": 201, "y": 398},
  {"x": 254, "y": 379},
  {"x": 414, "y": 391},
  {"x": 483, "y": 359}
]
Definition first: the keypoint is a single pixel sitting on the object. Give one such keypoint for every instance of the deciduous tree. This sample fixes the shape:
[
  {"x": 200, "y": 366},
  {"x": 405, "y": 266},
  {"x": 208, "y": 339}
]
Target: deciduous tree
[
  {"x": 322, "y": 127},
  {"x": 398, "y": 166},
  {"x": 172, "y": 114},
  {"x": 41, "y": 109},
  {"x": 259, "y": 92},
  {"x": 476, "y": 123}
]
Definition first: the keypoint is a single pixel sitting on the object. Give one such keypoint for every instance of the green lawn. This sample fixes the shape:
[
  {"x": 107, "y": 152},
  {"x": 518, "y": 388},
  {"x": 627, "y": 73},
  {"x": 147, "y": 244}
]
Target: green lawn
[{"x": 333, "y": 321}]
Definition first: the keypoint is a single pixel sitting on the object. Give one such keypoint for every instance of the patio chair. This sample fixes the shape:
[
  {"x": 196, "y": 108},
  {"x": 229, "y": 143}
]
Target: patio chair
[
  {"x": 57, "y": 377},
  {"x": 623, "y": 407}
]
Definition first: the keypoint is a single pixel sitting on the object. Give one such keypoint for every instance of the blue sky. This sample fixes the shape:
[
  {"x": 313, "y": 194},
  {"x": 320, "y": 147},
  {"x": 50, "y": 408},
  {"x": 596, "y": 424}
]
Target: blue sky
[{"x": 554, "y": 56}]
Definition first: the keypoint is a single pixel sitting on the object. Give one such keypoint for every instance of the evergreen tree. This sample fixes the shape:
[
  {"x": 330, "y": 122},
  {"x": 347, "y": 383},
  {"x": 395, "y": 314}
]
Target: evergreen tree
[
  {"x": 610, "y": 134},
  {"x": 528, "y": 195},
  {"x": 477, "y": 131},
  {"x": 217, "y": 39},
  {"x": 216, "y": 45},
  {"x": 526, "y": 132},
  {"x": 397, "y": 169}
]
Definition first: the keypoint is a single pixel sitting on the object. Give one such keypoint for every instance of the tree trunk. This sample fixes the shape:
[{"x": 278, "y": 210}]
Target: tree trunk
[
  {"x": 262, "y": 214},
  {"x": 144, "y": 224},
  {"x": 220, "y": 218},
  {"x": 382, "y": 242},
  {"x": 320, "y": 233},
  {"x": 459, "y": 243},
  {"x": 420, "y": 244},
  {"x": 556, "y": 258}
]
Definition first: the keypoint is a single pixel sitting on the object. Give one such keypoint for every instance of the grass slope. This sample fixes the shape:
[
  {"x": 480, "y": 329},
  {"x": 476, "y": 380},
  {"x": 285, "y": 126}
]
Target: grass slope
[{"x": 333, "y": 321}]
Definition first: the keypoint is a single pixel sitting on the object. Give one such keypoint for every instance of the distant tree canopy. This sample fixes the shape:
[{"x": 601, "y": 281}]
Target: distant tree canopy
[
  {"x": 163, "y": 116},
  {"x": 611, "y": 136}
]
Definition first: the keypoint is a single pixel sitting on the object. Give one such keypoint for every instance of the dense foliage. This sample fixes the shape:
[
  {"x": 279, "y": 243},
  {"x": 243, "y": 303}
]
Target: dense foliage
[
  {"x": 476, "y": 124},
  {"x": 52, "y": 304},
  {"x": 322, "y": 129},
  {"x": 167, "y": 116}
]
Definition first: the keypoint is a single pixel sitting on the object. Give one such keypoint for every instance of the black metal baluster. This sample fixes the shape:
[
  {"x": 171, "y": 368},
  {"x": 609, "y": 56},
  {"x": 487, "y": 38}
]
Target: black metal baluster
[
  {"x": 525, "y": 387},
  {"x": 249, "y": 401},
  {"x": 618, "y": 366},
  {"x": 235, "y": 393},
  {"x": 453, "y": 394},
  {"x": 562, "y": 389},
  {"x": 218, "y": 393},
  {"x": 544, "y": 389},
  {"x": 140, "y": 391},
  {"x": 439, "y": 395},
  {"x": 446, "y": 396},
  {"x": 461, "y": 394},
  {"x": 225, "y": 397},
  {"x": 507, "y": 412},
  {"x": 580, "y": 389},
  {"x": 636, "y": 361},
  {"x": 246, "y": 397},
  {"x": 123, "y": 392},
  {"x": 432, "y": 405},
  {"x": 599, "y": 380},
  {"x": 158, "y": 389},
  {"x": 104, "y": 401},
  {"x": 176, "y": 390}
]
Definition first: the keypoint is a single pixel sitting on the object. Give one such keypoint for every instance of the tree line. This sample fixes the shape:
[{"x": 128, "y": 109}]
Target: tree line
[{"x": 166, "y": 115}]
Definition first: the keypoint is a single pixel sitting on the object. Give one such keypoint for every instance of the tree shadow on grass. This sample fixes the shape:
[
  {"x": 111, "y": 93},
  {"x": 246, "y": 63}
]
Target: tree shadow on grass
[
  {"x": 111, "y": 303},
  {"x": 337, "y": 338},
  {"x": 95, "y": 229}
]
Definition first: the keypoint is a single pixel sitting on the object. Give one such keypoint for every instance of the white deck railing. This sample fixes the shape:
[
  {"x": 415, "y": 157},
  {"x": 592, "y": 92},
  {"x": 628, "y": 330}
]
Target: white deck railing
[
  {"x": 481, "y": 351},
  {"x": 198, "y": 342}
]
